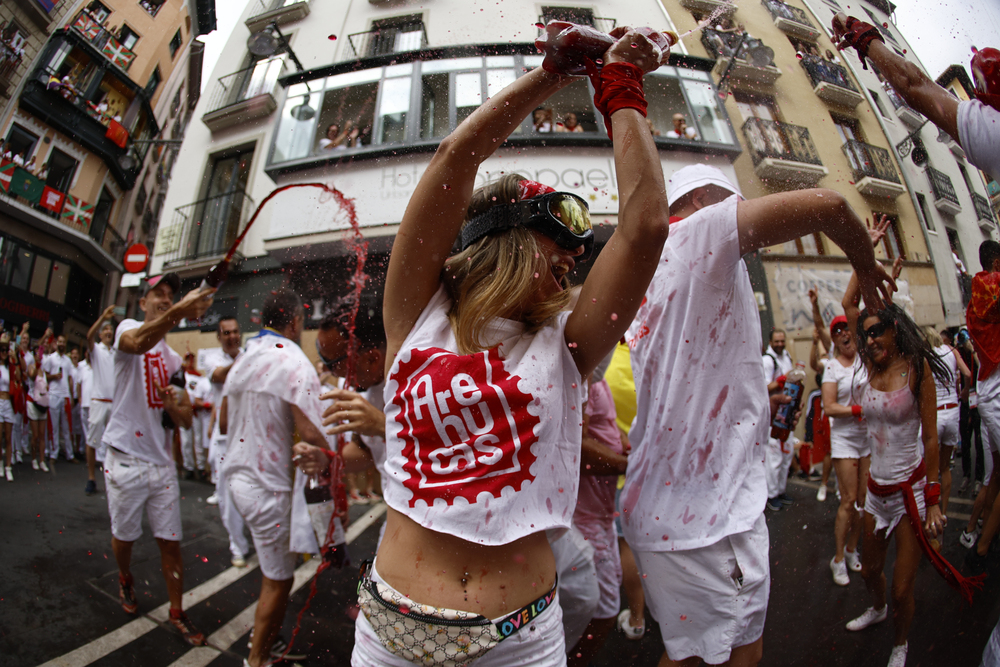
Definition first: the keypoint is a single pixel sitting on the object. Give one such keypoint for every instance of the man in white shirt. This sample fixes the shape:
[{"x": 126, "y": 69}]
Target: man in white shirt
[
  {"x": 974, "y": 124},
  {"x": 218, "y": 361},
  {"x": 100, "y": 338},
  {"x": 777, "y": 364},
  {"x": 270, "y": 396},
  {"x": 692, "y": 506},
  {"x": 139, "y": 470},
  {"x": 58, "y": 372},
  {"x": 76, "y": 428},
  {"x": 194, "y": 448},
  {"x": 681, "y": 129}
]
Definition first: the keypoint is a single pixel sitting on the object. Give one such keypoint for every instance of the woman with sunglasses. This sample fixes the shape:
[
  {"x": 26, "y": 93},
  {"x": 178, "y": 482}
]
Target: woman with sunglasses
[
  {"x": 900, "y": 409},
  {"x": 485, "y": 378}
]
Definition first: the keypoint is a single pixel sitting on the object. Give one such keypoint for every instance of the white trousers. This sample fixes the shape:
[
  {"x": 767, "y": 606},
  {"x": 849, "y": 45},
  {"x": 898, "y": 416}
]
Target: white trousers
[
  {"x": 232, "y": 521},
  {"x": 776, "y": 465},
  {"x": 194, "y": 449},
  {"x": 21, "y": 433},
  {"x": 60, "y": 427},
  {"x": 579, "y": 593}
]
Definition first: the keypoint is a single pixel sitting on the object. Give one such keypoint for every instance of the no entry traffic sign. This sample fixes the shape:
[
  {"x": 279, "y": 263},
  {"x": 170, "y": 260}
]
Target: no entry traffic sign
[{"x": 136, "y": 258}]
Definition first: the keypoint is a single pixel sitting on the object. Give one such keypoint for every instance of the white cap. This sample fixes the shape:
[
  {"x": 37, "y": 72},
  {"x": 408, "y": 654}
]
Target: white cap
[{"x": 696, "y": 176}]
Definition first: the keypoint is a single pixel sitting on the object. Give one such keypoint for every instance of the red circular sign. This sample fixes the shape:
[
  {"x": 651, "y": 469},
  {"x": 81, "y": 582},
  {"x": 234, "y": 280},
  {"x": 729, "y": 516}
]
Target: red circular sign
[{"x": 136, "y": 258}]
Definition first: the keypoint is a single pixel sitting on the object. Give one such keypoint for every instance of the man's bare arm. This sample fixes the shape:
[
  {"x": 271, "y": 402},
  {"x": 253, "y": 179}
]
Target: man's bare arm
[
  {"x": 95, "y": 328},
  {"x": 142, "y": 340}
]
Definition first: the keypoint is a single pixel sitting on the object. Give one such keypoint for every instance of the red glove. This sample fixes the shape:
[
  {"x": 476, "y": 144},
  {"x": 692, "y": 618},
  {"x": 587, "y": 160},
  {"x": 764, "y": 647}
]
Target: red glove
[
  {"x": 860, "y": 35},
  {"x": 618, "y": 86}
]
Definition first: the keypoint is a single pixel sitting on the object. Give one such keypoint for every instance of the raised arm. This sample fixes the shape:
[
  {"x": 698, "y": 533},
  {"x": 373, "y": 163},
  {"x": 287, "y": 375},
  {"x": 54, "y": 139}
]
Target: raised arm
[
  {"x": 814, "y": 353},
  {"x": 142, "y": 340},
  {"x": 821, "y": 330},
  {"x": 95, "y": 328},
  {"x": 437, "y": 208},
  {"x": 852, "y": 310},
  {"x": 615, "y": 287},
  {"x": 919, "y": 91},
  {"x": 782, "y": 217}
]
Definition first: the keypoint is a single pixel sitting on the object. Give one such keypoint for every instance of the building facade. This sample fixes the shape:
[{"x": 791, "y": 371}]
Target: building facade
[
  {"x": 79, "y": 178},
  {"x": 361, "y": 108}
]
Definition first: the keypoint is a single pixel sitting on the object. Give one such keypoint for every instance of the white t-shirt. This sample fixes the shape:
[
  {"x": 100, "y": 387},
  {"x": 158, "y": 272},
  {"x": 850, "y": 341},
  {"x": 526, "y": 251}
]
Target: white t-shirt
[
  {"x": 29, "y": 359},
  {"x": 947, "y": 392},
  {"x": 776, "y": 365},
  {"x": 4, "y": 378},
  {"x": 851, "y": 382},
  {"x": 102, "y": 362},
  {"x": 136, "y": 426},
  {"x": 689, "y": 133},
  {"x": 54, "y": 364},
  {"x": 86, "y": 376},
  {"x": 979, "y": 134},
  {"x": 484, "y": 446},
  {"x": 696, "y": 473},
  {"x": 215, "y": 358},
  {"x": 261, "y": 387}
]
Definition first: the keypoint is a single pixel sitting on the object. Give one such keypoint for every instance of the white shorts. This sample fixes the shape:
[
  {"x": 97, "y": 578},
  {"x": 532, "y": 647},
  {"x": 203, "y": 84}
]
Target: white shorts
[
  {"x": 607, "y": 561},
  {"x": 133, "y": 485},
  {"x": 711, "y": 600},
  {"x": 539, "y": 645},
  {"x": 268, "y": 515},
  {"x": 35, "y": 413},
  {"x": 989, "y": 414},
  {"x": 100, "y": 414},
  {"x": 6, "y": 411},
  {"x": 888, "y": 510},
  {"x": 845, "y": 448},
  {"x": 949, "y": 434}
]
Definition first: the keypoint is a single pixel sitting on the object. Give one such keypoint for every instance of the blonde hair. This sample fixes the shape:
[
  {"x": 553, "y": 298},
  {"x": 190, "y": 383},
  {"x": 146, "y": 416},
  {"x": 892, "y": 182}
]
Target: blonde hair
[
  {"x": 497, "y": 274},
  {"x": 933, "y": 337}
]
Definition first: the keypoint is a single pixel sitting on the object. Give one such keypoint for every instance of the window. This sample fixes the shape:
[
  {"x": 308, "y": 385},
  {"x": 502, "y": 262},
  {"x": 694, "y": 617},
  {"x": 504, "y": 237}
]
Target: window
[
  {"x": 62, "y": 169},
  {"x": 878, "y": 103},
  {"x": 396, "y": 34},
  {"x": 892, "y": 242},
  {"x": 58, "y": 282},
  {"x": 956, "y": 245},
  {"x": 15, "y": 37},
  {"x": 175, "y": 43},
  {"x": 153, "y": 83},
  {"x": 847, "y": 128},
  {"x": 175, "y": 104},
  {"x": 151, "y": 6},
  {"x": 925, "y": 212},
  {"x": 102, "y": 214},
  {"x": 21, "y": 142},
  {"x": 878, "y": 24},
  {"x": 578, "y": 15},
  {"x": 220, "y": 210},
  {"x": 811, "y": 244},
  {"x": 40, "y": 276},
  {"x": 140, "y": 198},
  {"x": 98, "y": 11},
  {"x": 127, "y": 37},
  {"x": 965, "y": 177},
  {"x": 20, "y": 268}
]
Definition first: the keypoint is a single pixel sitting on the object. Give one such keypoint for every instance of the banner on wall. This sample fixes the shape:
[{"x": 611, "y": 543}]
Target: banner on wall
[{"x": 792, "y": 284}]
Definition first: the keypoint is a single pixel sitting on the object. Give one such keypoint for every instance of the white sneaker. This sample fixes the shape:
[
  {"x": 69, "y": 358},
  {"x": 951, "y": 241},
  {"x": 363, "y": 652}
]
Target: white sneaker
[
  {"x": 839, "y": 572},
  {"x": 10, "y": 474},
  {"x": 821, "y": 494},
  {"x": 212, "y": 499},
  {"x": 45, "y": 468},
  {"x": 34, "y": 464},
  {"x": 238, "y": 561},
  {"x": 853, "y": 560},
  {"x": 625, "y": 625},
  {"x": 870, "y": 617},
  {"x": 968, "y": 540},
  {"x": 898, "y": 657},
  {"x": 17, "y": 457}
]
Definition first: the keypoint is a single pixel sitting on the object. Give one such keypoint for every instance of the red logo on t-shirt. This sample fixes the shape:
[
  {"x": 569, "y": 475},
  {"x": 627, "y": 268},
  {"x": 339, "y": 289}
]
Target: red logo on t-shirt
[
  {"x": 466, "y": 425},
  {"x": 156, "y": 374}
]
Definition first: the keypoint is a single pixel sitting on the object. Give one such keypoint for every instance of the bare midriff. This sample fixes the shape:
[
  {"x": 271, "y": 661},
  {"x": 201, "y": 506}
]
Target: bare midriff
[{"x": 446, "y": 571}]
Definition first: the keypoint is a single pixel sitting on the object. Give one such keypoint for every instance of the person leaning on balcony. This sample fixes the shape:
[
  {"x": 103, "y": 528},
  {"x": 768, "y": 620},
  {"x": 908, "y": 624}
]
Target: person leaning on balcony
[
  {"x": 975, "y": 124},
  {"x": 339, "y": 140}
]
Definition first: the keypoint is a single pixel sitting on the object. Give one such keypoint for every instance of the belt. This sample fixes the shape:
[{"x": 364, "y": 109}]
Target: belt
[
  {"x": 947, "y": 406},
  {"x": 101, "y": 400},
  {"x": 4, "y": 394},
  {"x": 964, "y": 585}
]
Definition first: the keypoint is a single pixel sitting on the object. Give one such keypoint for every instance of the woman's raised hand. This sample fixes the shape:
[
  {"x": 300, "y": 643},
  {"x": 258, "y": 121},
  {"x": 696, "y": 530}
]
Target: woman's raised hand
[{"x": 634, "y": 47}]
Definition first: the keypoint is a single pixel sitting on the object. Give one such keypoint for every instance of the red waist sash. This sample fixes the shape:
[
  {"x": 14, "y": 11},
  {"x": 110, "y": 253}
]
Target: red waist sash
[{"x": 964, "y": 585}]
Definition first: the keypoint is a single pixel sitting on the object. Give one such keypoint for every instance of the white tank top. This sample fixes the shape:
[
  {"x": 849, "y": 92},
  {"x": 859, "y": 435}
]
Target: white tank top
[
  {"x": 893, "y": 420},
  {"x": 484, "y": 446},
  {"x": 947, "y": 392}
]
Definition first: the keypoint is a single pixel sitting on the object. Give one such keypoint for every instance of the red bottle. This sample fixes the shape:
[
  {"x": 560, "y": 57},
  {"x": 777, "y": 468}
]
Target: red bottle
[
  {"x": 567, "y": 46},
  {"x": 216, "y": 275},
  {"x": 781, "y": 425}
]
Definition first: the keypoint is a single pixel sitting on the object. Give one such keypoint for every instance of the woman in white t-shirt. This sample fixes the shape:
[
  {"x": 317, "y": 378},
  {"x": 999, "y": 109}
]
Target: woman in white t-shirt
[
  {"x": 948, "y": 408},
  {"x": 844, "y": 378},
  {"x": 485, "y": 389}
]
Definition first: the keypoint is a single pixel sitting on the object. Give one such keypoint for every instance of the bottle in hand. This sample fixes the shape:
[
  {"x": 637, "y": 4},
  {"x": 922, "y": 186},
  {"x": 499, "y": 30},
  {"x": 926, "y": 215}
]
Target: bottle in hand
[{"x": 781, "y": 425}]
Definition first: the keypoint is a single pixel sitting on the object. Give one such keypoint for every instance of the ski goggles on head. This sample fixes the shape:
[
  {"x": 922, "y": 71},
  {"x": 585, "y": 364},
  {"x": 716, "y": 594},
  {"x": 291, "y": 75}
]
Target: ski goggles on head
[{"x": 563, "y": 217}]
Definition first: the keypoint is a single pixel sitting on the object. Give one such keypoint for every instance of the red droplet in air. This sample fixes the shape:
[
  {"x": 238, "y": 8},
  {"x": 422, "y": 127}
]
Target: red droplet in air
[
  {"x": 884, "y": 24},
  {"x": 684, "y": 617},
  {"x": 332, "y": 38},
  {"x": 279, "y": 345},
  {"x": 904, "y": 52},
  {"x": 540, "y": 25}
]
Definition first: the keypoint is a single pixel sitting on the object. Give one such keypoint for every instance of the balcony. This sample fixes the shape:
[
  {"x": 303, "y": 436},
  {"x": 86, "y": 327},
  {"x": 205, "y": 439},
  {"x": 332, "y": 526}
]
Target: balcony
[
  {"x": 723, "y": 45},
  {"x": 202, "y": 232},
  {"x": 102, "y": 40},
  {"x": 575, "y": 16},
  {"x": 945, "y": 198},
  {"x": 383, "y": 41},
  {"x": 905, "y": 112},
  {"x": 831, "y": 82},
  {"x": 983, "y": 211},
  {"x": 10, "y": 60},
  {"x": 279, "y": 12},
  {"x": 724, "y": 7},
  {"x": 783, "y": 152},
  {"x": 792, "y": 20},
  {"x": 244, "y": 96},
  {"x": 873, "y": 171}
]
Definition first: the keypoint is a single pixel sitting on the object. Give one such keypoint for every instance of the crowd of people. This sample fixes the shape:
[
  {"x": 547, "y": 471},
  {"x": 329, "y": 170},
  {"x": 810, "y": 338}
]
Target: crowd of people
[{"x": 499, "y": 410}]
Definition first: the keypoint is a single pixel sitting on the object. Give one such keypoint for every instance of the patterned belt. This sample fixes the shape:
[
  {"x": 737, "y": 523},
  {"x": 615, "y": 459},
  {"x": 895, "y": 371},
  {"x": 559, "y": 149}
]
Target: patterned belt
[{"x": 947, "y": 406}]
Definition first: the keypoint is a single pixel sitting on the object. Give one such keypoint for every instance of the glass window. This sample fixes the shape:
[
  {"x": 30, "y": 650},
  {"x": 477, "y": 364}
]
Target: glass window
[
  {"x": 343, "y": 110},
  {"x": 572, "y": 103},
  {"x": 294, "y": 138},
  {"x": 434, "y": 106},
  {"x": 393, "y": 108},
  {"x": 711, "y": 119},
  {"x": 451, "y": 65},
  {"x": 531, "y": 62},
  {"x": 21, "y": 271},
  {"x": 925, "y": 213},
  {"x": 665, "y": 99},
  {"x": 59, "y": 282},
  {"x": 40, "y": 276},
  {"x": 128, "y": 37},
  {"x": 175, "y": 43},
  {"x": 497, "y": 80},
  {"x": 892, "y": 242},
  {"x": 353, "y": 78},
  {"x": 499, "y": 61},
  {"x": 98, "y": 11},
  {"x": 468, "y": 94}
]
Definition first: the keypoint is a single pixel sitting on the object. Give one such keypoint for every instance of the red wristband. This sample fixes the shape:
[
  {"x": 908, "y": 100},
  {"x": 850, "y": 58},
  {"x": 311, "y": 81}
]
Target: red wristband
[
  {"x": 618, "y": 86},
  {"x": 856, "y": 411},
  {"x": 860, "y": 35},
  {"x": 781, "y": 380},
  {"x": 932, "y": 493}
]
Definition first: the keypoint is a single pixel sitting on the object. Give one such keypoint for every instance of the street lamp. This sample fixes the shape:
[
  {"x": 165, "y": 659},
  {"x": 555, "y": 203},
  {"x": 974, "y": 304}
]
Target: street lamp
[
  {"x": 266, "y": 43},
  {"x": 758, "y": 56}
]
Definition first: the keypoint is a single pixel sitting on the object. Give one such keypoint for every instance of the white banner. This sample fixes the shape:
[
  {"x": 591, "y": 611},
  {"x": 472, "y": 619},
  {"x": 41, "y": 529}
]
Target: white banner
[{"x": 792, "y": 284}]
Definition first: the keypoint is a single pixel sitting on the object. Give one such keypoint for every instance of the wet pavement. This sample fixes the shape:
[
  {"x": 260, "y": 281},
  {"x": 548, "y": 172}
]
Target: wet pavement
[{"x": 59, "y": 599}]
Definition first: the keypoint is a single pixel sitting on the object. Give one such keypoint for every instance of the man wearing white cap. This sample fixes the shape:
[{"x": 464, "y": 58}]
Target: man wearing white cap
[{"x": 692, "y": 506}]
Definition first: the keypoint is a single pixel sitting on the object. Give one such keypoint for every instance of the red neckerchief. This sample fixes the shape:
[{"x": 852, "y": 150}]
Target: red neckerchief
[
  {"x": 674, "y": 218},
  {"x": 983, "y": 320}
]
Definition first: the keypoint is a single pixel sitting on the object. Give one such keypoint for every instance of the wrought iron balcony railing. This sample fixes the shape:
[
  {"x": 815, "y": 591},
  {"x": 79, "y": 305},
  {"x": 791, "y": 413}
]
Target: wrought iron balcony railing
[
  {"x": 724, "y": 44},
  {"x": 246, "y": 84},
  {"x": 108, "y": 238},
  {"x": 983, "y": 211},
  {"x": 780, "y": 141},
  {"x": 780, "y": 10},
  {"x": 106, "y": 42},
  {"x": 10, "y": 60},
  {"x": 602, "y": 24},
  {"x": 204, "y": 229},
  {"x": 870, "y": 161},
  {"x": 383, "y": 41},
  {"x": 821, "y": 70},
  {"x": 941, "y": 186}
]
